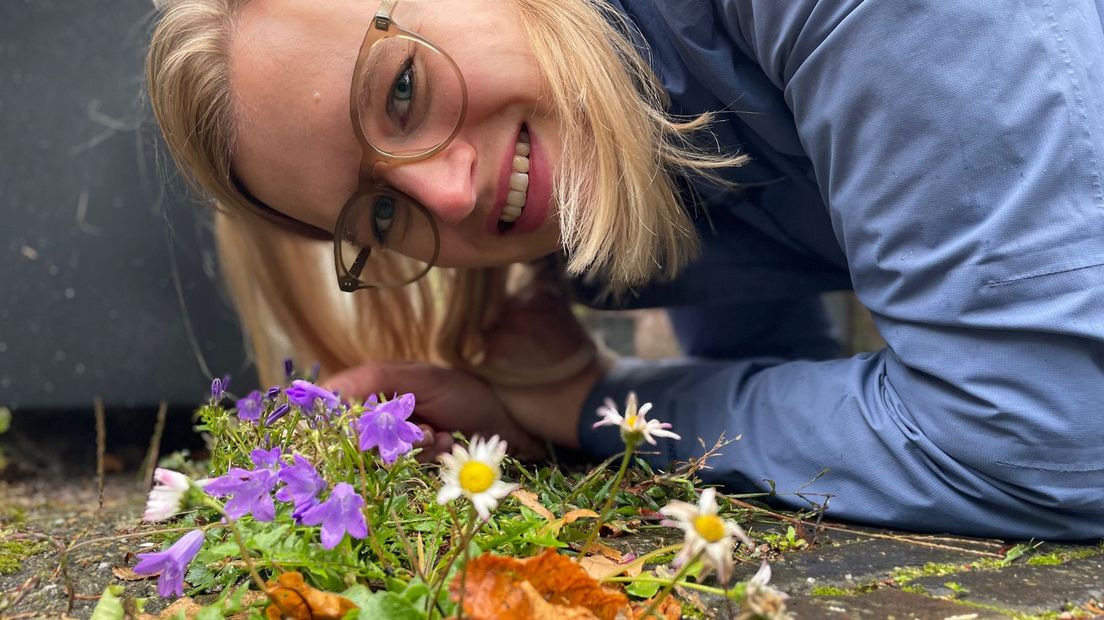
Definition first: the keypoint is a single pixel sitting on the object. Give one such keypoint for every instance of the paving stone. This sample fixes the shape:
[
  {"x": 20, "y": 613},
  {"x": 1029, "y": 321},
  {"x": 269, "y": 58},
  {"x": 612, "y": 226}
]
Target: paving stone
[
  {"x": 886, "y": 603},
  {"x": 1026, "y": 588},
  {"x": 856, "y": 563}
]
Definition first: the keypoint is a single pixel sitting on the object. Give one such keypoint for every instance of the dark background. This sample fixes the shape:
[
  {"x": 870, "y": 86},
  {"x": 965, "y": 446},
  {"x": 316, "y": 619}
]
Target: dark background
[{"x": 108, "y": 279}]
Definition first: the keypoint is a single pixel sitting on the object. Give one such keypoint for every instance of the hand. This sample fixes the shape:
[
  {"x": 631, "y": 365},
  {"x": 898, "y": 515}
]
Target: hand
[
  {"x": 444, "y": 399},
  {"x": 538, "y": 331}
]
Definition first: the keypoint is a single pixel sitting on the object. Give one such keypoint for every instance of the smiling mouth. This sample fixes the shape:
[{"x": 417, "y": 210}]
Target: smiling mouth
[{"x": 519, "y": 184}]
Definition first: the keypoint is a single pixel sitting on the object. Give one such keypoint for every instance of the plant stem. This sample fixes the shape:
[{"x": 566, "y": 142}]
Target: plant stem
[
  {"x": 465, "y": 539},
  {"x": 666, "y": 591},
  {"x": 614, "y": 489}
]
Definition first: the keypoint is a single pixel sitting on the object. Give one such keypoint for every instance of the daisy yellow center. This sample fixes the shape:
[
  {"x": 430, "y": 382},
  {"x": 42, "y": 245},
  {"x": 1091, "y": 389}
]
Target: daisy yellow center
[
  {"x": 476, "y": 477},
  {"x": 709, "y": 527},
  {"x": 630, "y": 420}
]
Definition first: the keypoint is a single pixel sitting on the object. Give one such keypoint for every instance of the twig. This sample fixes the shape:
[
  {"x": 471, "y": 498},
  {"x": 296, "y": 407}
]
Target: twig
[
  {"x": 101, "y": 446},
  {"x": 152, "y": 453},
  {"x": 21, "y": 591}
]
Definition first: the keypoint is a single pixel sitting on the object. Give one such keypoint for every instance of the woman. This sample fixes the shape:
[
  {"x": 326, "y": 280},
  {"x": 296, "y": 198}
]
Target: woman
[{"x": 939, "y": 157}]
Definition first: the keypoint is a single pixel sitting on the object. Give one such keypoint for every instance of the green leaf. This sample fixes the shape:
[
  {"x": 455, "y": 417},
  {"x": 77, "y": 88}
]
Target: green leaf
[
  {"x": 266, "y": 540},
  {"x": 211, "y": 612},
  {"x": 380, "y": 605},
  {"x": 109, "y": 607},
  {"x": 219, "y": 552},
  {"x": 644, "y": 589}
]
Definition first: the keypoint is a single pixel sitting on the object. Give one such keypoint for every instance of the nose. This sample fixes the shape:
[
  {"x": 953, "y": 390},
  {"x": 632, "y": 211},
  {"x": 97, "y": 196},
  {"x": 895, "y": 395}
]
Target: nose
[{"x": 443, "y": 183}]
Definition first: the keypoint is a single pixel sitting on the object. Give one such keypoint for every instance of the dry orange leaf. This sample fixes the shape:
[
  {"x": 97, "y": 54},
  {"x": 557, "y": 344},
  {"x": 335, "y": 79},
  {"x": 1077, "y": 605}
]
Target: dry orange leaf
[
  {"x": 601, "y": 568},
  {"x": 607, "y": 551},
  {"x": 570, "y": 517},
  {"x": 495, "y": 589},
  {"x": 293, "y": 598},
  {"x": 669, "y": 609},
  {"x": 530, "y": 501},
  {"x": 125, "y": 573}
]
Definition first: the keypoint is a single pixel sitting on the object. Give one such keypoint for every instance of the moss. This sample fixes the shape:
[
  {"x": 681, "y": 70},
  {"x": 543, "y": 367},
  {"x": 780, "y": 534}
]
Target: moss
[
  {"x": 12, "y": 515},
  {"x": 14, "y": 552},
  {"x": 1056, "y": 558},
  {"x": 1048, "y": 559},
  {"x": 829, "y": 591},
  {"x": 904, "y": 575}
]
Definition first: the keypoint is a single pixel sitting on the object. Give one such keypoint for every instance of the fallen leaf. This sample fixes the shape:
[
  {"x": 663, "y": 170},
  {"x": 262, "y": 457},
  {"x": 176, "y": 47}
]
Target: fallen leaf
[
  {"x": 530, "y": 501},
  {"x": 669, "y": 609},
  {"x": 127, "y": 574},
  {"x": 293, "y": 598},
  {"x": 183, "y": 604},
  {"x": 554, "y": 527},
  {"x": 502, "y": 588},
  {"x": 606, "y": 551},
  {"x": 600, "y": 567}
]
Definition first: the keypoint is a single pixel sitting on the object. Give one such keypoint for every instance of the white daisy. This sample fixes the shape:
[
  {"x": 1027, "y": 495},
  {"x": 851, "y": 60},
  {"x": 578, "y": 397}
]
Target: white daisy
[
  {"x": 633, "y": 425},
  {"x": 706, "y": 532},
  {"x": 167, "y": 496},
  {"x": 475, "y": 474},
  {"x": 762, "y": 600}
]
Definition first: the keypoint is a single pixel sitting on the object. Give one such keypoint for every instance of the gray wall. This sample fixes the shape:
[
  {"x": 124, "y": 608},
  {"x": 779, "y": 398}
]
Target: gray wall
[{"x": 107, "y": 279}]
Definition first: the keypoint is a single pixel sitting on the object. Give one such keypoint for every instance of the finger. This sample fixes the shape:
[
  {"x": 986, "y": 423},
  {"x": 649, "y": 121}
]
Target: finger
[
  {"x": 442, "y": 442},
  {"x": 427, "y": 436},
  {"x": 361, "y": 381},
  {"x": 434, "y": 445}
]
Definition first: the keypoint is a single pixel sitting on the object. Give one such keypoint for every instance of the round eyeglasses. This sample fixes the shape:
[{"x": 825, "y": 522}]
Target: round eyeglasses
[{"x": 407, "y": 102}]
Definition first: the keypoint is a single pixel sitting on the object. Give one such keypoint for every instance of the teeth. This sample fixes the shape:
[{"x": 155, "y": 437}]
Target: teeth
[{"x": 519, "y": 181}]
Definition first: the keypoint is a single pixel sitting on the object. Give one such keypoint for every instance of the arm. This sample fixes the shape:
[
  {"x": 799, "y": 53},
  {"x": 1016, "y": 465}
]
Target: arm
[{"x": 957, "y": 145}]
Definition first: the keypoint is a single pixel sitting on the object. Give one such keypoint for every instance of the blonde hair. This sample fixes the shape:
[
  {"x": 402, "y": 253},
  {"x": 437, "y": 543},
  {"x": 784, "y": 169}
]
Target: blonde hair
[{"x": 621, "y": 217}]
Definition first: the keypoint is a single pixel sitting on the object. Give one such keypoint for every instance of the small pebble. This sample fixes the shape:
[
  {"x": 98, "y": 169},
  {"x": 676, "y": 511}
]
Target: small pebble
[{"x": 810, "y": 580}]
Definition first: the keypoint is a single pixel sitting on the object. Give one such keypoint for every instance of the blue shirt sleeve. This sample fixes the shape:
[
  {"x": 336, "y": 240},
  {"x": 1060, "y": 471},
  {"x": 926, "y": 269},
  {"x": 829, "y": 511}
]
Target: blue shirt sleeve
[{"x": 957, "y": 145}]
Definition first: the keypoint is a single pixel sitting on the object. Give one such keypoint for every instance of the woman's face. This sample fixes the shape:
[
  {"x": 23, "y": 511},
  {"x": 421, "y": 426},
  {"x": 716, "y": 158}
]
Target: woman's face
[{"x": 291, "y": 66}]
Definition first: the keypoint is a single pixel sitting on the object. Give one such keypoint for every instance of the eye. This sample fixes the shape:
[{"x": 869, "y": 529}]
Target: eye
[
  {"x": 383, "y": 216},
  {"x": 401, "y": 99}
]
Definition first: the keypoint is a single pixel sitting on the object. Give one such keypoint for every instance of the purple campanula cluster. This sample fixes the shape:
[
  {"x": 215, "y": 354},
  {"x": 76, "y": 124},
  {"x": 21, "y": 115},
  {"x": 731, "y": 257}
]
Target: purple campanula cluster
[{"x": 385, "y": 426}]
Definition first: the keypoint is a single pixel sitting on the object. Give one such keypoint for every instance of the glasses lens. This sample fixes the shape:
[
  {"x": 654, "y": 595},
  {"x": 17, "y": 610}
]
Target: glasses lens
[
  {"x": 385, "y": 240},
  {"x": 412, "y": 96}
]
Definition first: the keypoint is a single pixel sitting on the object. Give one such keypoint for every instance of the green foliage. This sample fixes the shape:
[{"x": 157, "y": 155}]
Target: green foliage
[
  {"x": 783, "y": 543},
  {"x": 415, "y": 545}
]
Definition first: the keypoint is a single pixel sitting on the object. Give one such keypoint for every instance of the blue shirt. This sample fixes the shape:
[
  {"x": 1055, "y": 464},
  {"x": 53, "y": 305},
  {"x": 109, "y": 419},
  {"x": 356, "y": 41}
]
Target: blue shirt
[{"x": 943, "y": 158}]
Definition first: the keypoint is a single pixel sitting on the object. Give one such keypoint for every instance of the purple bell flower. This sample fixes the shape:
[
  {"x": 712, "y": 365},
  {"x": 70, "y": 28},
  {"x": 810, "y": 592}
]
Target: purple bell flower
[
  {"x": 277, "y": 413},
  {"x": 218, "y": 390},
  {"x": 250, "y": 493},
  {"x": 304, "y": 394},
  {"x": 302, "y": 484},
  {"x": 338, "y": 515},
  {"x": 172, "y": 563},
  {"x": 266, "y": 459},
  {"x": 250, "y": 407},
  {"x": 385, "y": 427}
]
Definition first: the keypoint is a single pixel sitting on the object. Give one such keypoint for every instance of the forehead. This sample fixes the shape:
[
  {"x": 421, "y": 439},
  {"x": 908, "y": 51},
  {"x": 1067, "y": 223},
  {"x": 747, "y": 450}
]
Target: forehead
[{"x": 291, "y": 66}]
